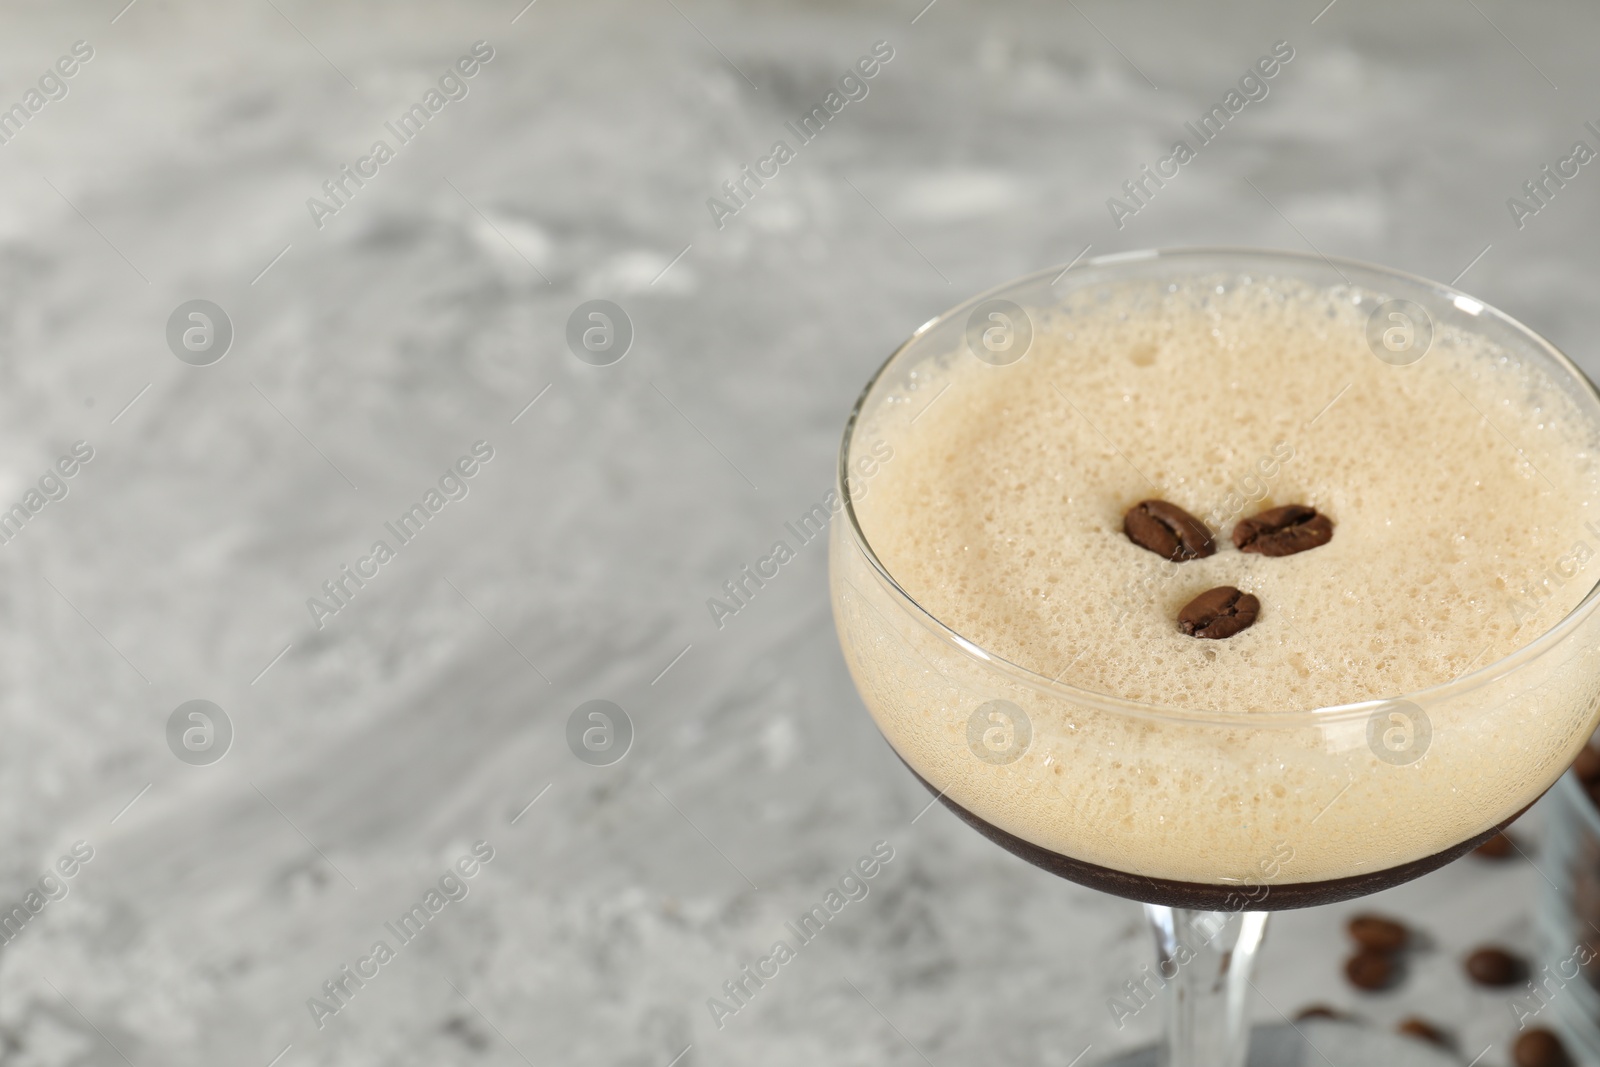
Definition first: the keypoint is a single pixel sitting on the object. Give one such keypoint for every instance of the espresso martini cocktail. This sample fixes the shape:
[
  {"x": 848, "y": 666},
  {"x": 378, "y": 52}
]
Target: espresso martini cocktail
[{"x": 1223, "y": 579}]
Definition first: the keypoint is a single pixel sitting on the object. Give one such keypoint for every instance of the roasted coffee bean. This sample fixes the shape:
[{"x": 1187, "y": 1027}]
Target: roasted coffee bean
[
  {"x": 1371, "y": 971},
  {"x": 1423, "y": 1029},
  {"x": 1283, "y": 531},
  {"x": 1219, "y": 612},
  {"x": 1168, "y": 531},
  {"x": 1491, "y": 966},
  {"x": 1540, "y": 1048},
  {"x": 1374, "y": 933},
  {"x": 1319, "y": 1011},
  {"x": 1587, "y": 765},
  {"x": 1498, "y": 847}
]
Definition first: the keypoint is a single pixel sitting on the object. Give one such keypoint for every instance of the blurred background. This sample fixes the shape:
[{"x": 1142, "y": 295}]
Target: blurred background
[{"x": 365, "y": 343}]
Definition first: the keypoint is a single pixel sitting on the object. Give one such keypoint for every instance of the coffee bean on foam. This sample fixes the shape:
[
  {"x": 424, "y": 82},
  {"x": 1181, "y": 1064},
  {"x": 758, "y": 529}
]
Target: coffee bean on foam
[
  {"x": 1168, "y": 531},
  {"x": 1283, "y": 531},
  {"x": 1217, "y": 613}
]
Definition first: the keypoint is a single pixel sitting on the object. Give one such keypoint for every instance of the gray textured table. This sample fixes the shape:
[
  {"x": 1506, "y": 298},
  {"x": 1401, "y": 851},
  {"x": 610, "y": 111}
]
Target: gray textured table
[{"x": 378, "y": 336}]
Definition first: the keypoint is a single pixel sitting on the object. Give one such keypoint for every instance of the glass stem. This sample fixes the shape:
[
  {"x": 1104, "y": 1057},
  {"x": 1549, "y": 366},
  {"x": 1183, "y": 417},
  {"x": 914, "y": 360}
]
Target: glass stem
[{"x": 1206, "y": 959}]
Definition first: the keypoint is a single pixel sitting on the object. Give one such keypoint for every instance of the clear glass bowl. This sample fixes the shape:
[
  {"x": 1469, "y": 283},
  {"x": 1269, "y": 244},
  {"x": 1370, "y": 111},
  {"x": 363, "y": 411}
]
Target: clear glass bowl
[{"x": 1296, "y": 806}]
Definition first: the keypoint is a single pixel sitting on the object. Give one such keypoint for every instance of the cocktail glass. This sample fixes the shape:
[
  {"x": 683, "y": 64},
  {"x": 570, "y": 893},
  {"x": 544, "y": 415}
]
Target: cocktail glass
[{"x": 1365, "y": 795}]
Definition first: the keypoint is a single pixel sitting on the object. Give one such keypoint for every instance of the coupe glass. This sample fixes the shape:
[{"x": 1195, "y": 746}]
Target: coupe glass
[{"x": 978, "y": 730}]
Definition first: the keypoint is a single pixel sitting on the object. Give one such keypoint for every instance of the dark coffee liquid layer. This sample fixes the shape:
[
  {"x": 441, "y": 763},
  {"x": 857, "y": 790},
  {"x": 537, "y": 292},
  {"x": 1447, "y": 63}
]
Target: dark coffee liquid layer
[{"x": 1277, "y": 896}]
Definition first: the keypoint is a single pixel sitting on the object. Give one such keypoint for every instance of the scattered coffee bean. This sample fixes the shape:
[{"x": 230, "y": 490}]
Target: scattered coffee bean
[
  {"x": 1540, "y": 1048},
  {"x": 1168, "y": 531},
  {"x": 1587, "y": 765},
  {"x": 1283, "y": 531},
  {"x": 1493, "y": 966},
  {"x": 1374, "y": 933},
  {"x": 1498, "y": 847},
  {"x": 1319, "y": 1011},
  {"x": 1371, "y": 971},
  {"x": 1219, "y": 612},
  {"x": 1423, "y": 1029}
]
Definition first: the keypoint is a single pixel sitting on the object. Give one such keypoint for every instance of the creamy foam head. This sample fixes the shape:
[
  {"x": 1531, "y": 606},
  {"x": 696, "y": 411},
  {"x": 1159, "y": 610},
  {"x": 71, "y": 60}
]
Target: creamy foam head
[
  {"x": 1460, "y": 486},
  {"x": 1454, "y": 484}
]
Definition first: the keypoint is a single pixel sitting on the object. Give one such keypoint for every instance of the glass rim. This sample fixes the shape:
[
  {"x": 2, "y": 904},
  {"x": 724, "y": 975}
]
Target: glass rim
[{"x": 1465, "y": 683}]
